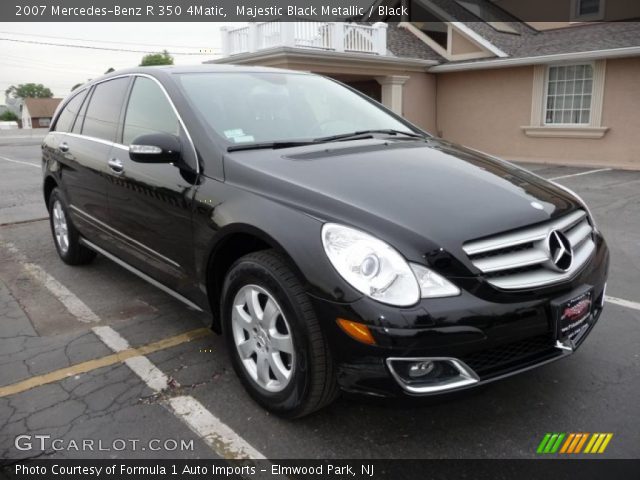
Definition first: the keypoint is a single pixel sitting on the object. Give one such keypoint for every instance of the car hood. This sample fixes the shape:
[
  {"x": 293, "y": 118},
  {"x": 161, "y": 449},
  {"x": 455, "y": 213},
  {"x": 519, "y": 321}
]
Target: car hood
[{"x": 425, "y": 195}]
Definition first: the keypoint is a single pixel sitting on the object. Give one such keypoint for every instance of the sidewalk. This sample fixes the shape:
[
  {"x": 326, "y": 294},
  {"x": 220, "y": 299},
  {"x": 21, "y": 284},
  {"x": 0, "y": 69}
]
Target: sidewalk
[{"x": 27, "y": 136}]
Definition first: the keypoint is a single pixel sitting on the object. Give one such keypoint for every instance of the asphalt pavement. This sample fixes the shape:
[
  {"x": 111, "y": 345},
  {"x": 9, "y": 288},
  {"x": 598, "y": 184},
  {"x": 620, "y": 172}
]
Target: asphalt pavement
[{"x": 94, "y": 354}]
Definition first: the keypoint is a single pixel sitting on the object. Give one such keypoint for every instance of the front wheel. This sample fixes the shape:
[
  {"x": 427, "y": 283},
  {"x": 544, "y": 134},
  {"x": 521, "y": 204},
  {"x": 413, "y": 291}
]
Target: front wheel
[{"x": 275, "y": 342}]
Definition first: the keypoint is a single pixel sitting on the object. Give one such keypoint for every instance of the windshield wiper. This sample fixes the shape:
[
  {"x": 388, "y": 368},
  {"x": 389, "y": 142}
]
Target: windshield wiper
[
  {"x": 367, "y": 133},
  {"x": 333, "y": 138},
  {"x": 272, "y": 145}
]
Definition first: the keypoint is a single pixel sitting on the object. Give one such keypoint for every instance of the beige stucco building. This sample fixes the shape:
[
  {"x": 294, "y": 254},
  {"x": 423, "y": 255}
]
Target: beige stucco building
[{"x": 556, "y": 92}]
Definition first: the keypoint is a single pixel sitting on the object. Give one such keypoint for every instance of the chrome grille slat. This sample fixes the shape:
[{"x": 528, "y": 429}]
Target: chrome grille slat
[
  {"x": 511, "y": 260},
  {"x": 543, "y": 277},
  {"x": 577, "y": 235},
  {"x": 521, "y": 259},
  {"x": 527, "y": 235}
]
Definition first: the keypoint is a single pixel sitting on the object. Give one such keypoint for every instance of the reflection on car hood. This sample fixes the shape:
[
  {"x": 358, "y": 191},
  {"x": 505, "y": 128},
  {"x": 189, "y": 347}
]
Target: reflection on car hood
[{"x": 439, "y": 191}]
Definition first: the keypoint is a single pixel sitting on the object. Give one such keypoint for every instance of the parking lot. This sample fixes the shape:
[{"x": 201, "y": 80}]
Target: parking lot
[{"x": 95, "y": 353}]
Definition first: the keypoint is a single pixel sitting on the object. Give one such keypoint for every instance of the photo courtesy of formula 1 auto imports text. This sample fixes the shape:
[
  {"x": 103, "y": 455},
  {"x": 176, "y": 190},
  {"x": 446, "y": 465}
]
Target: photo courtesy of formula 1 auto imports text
[{"x": 319, "y": 239}]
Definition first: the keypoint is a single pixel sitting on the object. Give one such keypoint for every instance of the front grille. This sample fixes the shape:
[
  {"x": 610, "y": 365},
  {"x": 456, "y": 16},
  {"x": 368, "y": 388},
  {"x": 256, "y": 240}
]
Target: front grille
[
  {"x": 497, "y": 360},
  {"x": 521, "y": 259}
]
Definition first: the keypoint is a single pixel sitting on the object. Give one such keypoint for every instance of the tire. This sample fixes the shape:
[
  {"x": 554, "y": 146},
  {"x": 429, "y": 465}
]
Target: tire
[
  {"x": 311, "y": 382},
  {"x": 65, "y": 236}
]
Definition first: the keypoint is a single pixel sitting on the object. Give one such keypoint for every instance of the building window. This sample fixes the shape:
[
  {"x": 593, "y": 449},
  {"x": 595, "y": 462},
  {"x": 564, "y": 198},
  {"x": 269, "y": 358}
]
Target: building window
[
  {"x": 436, "y": 31},
  {"x": 588, "y": 7},
  {"x": 45, "y": 122},
  {"x": 432, "y": 25},
  {"x": 566, "y": 101},
  {"x": 569, "y": 93},
  {"x": 487, "y": 13},
  {"x": 585, "y": 10}
]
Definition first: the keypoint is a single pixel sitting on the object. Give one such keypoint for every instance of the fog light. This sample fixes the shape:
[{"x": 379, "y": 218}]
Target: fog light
[
  {"x": 431, "y": 374},
  {"x": 420, "y": 369}
]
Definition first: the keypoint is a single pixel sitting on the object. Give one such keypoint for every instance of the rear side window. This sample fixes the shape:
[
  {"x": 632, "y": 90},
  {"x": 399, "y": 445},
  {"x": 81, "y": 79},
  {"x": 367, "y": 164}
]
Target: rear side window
[
  {"x": 77, "y": 126},
  {"x": 68, "y": 114},
  {"x": 148, "y": 111},
  {"x": 103, "y": 112}
]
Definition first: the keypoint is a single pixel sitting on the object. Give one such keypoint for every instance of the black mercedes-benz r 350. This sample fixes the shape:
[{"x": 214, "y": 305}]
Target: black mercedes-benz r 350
[{"x": 335, "y": 245}]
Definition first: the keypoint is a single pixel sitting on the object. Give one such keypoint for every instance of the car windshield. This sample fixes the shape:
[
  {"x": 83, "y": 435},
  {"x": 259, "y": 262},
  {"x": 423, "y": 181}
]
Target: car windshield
[{"x": 246, "y": 108}]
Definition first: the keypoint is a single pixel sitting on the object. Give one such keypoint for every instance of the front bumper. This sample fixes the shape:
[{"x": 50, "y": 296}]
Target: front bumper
[{"x": 489, "y": 333}]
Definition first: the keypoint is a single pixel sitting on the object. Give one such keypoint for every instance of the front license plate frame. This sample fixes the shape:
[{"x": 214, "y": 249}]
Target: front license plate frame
[{"x": 572, "y": 314}]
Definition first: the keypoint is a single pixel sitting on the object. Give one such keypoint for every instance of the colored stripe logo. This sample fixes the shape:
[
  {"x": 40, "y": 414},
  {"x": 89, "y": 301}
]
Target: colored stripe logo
[{"x": 572, "y": 443}]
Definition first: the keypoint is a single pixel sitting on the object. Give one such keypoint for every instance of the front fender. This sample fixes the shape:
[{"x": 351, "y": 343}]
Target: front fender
[{"x": 223, "y": 210}]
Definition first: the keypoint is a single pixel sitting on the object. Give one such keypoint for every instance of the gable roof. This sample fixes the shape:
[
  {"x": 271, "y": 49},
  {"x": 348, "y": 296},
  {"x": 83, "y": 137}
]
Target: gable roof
[
  {"x": 578, "y": 38},
  {"x": 526, "y": 41},
  {"x": 41, "y": 107},
  {"x": 402, "y": 43}
]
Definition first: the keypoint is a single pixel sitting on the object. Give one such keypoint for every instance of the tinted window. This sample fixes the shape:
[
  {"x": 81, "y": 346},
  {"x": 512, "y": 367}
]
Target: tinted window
[
  {"x": 68, "y": 114},
  {"x": 103, "y": 112},
  {"x": 148, "y": 111},
  {"x": 77, "y": 126}
]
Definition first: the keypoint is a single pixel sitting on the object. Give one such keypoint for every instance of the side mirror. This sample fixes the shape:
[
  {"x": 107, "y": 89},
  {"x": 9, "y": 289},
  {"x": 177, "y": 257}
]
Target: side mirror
[{"x": 155, "y": 148}]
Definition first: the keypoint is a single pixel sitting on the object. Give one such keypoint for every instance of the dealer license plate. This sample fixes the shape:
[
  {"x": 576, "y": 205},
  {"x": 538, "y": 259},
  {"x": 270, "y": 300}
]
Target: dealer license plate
[{"x": 572, "y": 314}]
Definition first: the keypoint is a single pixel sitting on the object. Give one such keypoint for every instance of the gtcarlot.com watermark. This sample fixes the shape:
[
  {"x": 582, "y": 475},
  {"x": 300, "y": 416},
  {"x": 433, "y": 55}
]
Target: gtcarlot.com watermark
[{"x": 47, "y": 443}]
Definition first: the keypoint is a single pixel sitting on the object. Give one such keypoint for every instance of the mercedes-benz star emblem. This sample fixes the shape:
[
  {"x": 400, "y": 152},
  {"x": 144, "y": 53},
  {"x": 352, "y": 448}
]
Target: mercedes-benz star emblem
[{"x": 560, "y": 250}]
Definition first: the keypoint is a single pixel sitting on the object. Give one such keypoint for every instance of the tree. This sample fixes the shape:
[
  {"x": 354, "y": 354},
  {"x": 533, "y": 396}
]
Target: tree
[
  {"x": 8, "y": 116},
  {"x": 29, "y": 90},
  {"x": 157, "y": 59}
]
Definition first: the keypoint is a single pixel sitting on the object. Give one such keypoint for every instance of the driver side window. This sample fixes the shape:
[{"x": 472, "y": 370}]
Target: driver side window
[{"x": 148, "y": 111}]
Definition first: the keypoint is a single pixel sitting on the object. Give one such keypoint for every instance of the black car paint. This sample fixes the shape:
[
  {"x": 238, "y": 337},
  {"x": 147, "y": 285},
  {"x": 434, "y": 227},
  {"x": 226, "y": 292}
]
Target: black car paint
[{"x": 179, "y": 223}]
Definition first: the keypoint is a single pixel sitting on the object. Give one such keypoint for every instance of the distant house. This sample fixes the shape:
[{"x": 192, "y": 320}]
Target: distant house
[
  {"x": 37, "y": 112},
  {"x": 566, "y": 92},
  {"x": 13, "y": 104}
]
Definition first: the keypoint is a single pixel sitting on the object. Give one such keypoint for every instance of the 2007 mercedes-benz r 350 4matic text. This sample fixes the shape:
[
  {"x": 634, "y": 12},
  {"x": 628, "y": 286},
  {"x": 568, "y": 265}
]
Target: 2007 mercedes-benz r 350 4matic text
[{"x": 335, "y": 245}]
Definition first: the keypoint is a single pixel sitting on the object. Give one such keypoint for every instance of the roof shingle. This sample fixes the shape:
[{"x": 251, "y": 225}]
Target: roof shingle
[{"x": 527, "y": 42}]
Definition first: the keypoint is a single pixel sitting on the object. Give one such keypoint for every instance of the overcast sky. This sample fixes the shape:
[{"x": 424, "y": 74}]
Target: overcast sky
[{"x": 59, "y": 68}]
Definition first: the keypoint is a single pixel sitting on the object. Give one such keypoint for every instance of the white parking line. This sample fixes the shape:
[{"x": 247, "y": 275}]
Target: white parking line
[
  {"x": 218, "y": 436},
  {"x": 588, "y": 172},
  {"x": 155, "y": 379},
  {"x": 18, "y": 161},
  {"x": 622, "y": 302},
  {"x": 76, "y": 307},
  {"x": 72, "y": 303}
]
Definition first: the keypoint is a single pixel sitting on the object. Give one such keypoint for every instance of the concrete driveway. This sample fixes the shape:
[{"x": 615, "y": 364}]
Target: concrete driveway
[{"x": 94, "y": 353}]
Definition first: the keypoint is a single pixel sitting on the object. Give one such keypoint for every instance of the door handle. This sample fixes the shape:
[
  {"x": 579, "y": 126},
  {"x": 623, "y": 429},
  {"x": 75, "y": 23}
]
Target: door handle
[
  {"x": 63, "y": 147},
  {"x": 116, "y": 166}
]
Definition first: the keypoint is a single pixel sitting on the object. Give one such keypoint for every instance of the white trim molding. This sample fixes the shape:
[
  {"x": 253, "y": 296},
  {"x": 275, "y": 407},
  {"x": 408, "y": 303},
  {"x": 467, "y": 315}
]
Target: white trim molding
[
  {"x": 564, "y": 131},
  {"x": 480, "y": 40},
  {"x": 283, "y": 57},
  {"x": 462, "y": 29},
  {"x": 485, "y": 48},
  {"x": 536, "y": 60},
  {"x": 426, "y": 39},
  {"x": 538, "y": 128}
]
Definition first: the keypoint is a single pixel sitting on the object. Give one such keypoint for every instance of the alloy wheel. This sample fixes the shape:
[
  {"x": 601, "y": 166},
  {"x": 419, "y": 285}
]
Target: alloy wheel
[
  {"x": 60, "y": 227},
  {"x": 262, "y": 337}
]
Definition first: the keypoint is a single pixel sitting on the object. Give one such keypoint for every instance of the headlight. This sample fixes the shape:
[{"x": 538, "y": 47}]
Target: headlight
[
  {"x": 433, "y": 285},
  {"x": 377, "y": 270}
]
